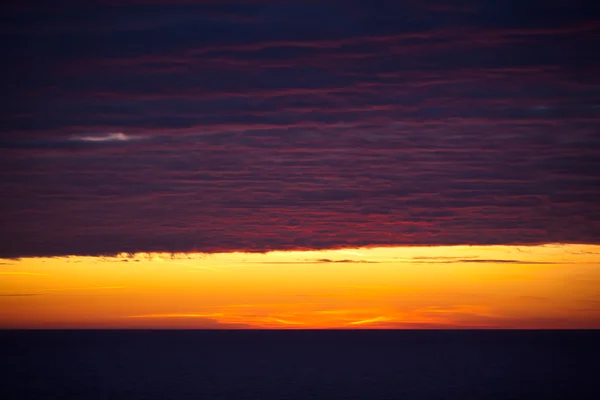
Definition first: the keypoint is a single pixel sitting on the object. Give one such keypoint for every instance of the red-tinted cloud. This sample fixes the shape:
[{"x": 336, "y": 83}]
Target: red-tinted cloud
[{"x": 217, "y": 126}]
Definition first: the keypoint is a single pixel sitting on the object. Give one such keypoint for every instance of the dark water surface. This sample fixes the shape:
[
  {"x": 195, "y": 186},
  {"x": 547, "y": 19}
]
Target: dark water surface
[{"x": 316, "y": 365}]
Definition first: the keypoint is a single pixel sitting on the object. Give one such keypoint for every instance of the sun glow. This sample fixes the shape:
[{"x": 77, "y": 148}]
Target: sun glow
[{"x": 550, "y": 286}]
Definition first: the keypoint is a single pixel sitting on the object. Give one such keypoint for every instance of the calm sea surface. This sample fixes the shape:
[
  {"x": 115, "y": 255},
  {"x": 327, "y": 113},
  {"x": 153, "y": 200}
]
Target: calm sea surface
[{"x": 316, "y": 365}]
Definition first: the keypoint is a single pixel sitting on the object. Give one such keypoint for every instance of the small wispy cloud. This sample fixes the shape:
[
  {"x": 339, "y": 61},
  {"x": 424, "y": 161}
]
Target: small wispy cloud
[
  {"x": 180, "y": 315},
  {"x": 456, "y": 260},
  {"x": 492, "y": 261},
  {"x": 318, "y": 261},
  {"x": 109, "y": 137},
  {"x": 22, "y": 273},
  {"x": 327, "y": 260},
  {"x": 440, "y": 258},
  {"x": 285, "y": 321},
  {"x": 87, "y": 288},
  {"x": 370, "y": 321}
]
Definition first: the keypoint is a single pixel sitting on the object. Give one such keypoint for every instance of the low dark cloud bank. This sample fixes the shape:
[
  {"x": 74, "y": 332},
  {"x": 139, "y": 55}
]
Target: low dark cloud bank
[{"x": 261, "y": 125}]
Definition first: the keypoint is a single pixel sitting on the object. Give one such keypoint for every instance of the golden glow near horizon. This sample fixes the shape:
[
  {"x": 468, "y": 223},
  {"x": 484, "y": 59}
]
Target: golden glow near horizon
[{"x": 552, "y": 286}]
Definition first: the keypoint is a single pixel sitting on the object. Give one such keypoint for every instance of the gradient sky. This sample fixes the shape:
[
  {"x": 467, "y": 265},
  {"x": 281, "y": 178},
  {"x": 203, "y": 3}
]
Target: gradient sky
[
  {"x": 549, "y": 286},
  {"x": 244, "y": 127}
]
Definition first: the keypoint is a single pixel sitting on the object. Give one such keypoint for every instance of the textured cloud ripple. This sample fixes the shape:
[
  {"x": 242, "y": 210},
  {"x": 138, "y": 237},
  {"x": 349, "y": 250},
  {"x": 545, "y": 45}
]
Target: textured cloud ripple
[{"x": 297, "y": 125}]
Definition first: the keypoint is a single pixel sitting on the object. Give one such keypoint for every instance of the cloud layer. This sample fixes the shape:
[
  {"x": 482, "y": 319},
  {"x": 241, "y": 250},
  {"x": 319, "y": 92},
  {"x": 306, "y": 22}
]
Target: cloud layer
[{"x": 259, "y": 125}]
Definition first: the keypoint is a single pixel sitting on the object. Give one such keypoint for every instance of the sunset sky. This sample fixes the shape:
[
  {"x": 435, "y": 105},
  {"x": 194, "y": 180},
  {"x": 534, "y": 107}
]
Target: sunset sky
[{"x": 300, "y": 164}]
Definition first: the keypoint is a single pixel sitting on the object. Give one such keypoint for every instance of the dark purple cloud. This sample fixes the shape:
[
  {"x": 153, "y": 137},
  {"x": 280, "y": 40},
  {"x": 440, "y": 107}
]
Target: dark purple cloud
[{"x": 259, "y": 125}]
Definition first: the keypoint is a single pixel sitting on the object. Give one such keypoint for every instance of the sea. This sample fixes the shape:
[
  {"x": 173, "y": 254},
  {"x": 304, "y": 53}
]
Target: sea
[{"x": 300, "y": 364}]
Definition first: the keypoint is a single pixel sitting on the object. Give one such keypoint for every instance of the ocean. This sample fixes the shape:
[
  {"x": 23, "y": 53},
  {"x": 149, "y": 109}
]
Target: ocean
[{"x": 290, "y": 365}]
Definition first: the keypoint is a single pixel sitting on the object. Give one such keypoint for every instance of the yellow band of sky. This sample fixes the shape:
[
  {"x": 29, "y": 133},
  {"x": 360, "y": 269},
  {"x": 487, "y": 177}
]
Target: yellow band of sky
[{"x": 555, "y": 286}]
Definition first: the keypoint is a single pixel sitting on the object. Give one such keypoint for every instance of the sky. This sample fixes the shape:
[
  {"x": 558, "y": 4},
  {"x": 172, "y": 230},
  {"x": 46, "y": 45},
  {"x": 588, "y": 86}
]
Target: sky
[
  {"x": 410, "y": 287},
  {"x": 285, "y": 131}
]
